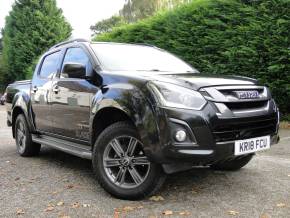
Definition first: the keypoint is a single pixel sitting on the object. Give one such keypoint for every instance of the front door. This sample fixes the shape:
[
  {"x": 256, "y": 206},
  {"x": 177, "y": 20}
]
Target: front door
[
  {"x": 71, "y": 99},
  {"x": 41, "y": 90}
]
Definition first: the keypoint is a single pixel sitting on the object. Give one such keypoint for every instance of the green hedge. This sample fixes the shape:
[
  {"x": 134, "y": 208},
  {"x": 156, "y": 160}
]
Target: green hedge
[{"x": 223, "y": 37}]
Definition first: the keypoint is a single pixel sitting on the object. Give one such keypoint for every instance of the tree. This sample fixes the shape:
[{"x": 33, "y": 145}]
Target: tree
[
  {"x": 2, "y": 71},
  {"x": 135, "y": 10},
  {"x": 31, "y": 27},
  {"x": 1, "y": 46},
  {"x": 2, "y": 68},
  {"x": 106, "y": 25}
]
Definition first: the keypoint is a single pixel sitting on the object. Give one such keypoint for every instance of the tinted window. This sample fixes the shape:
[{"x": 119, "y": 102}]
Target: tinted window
[
  {"x": 50, "y": 65},
  {"x": 138, "y": 58},
  {"x": 76, "y": 55}
]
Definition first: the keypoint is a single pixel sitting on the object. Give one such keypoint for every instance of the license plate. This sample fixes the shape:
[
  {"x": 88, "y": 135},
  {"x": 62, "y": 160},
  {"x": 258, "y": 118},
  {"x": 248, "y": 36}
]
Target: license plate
[{"x": 252, "y": 145}]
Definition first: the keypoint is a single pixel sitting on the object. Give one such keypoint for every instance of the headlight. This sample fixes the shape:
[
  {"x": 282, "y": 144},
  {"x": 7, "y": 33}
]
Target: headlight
[{"x": 170, "y": 95}]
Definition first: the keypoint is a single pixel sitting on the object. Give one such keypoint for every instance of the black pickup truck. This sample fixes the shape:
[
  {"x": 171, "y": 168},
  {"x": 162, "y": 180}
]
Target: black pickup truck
[{"x": 138, "y": 113}]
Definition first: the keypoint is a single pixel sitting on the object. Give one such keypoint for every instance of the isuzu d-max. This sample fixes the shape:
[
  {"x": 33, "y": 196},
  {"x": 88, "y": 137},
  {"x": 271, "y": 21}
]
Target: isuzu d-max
[{"x": 138, "y": 113}]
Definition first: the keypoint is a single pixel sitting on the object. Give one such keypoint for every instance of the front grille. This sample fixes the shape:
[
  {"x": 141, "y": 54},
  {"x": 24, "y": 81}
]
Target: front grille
[
  {"x": 241, "y": 118},
  {"x": 241, "y": 130},
  {"x": 246, "y": 105},
  {"x": 231, "y": 92}
]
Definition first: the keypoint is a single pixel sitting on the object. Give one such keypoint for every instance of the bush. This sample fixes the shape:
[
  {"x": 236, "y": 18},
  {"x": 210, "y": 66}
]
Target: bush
[{"x": 248, "y": 38}]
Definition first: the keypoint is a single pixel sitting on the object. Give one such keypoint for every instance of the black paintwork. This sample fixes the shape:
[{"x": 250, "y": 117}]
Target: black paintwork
[{"x": 71, "y": 112}]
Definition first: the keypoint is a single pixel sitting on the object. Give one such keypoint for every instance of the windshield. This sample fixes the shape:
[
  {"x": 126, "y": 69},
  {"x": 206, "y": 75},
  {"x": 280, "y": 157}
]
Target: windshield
[{"x": 125, "y": 57}]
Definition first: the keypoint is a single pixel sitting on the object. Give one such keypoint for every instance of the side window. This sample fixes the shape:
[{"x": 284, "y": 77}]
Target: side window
[
  {"x": 50, "y": 65},
  {"x": 76, "y": 55}
]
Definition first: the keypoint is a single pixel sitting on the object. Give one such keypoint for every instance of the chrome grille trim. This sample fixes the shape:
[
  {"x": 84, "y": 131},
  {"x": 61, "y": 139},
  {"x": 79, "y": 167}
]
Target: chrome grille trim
[
  {"x": 227, "y": 93},
  {"x": 228, "y": 105}
]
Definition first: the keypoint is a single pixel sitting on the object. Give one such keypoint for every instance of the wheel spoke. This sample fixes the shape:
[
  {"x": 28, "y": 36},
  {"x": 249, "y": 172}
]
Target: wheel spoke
[
  {"x": 131, "y": 147},
  {"x": 19, "y": 133},
  {"x": 21, "y": 127},
  {"x": 141, "y": 161},
  {"x": 112, "y": 162},
  {"x": 23, "y": 140},
  {"x": 120, "y": 178},
  {"x": 135, "y": 175},
  {"x": 117, "y": 147}
]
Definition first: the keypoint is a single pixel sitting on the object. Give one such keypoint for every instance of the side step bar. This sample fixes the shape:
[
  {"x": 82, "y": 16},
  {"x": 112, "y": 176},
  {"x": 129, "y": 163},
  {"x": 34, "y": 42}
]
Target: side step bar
[{"x": 62, "y": 145}]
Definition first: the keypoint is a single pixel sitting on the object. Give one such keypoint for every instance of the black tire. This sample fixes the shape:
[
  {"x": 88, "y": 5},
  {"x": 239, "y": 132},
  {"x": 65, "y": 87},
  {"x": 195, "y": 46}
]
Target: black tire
[
  {"x": 24, "y": 144},
  {"x": 232, "y": 165},
  {"x": 153, "y": 180}
]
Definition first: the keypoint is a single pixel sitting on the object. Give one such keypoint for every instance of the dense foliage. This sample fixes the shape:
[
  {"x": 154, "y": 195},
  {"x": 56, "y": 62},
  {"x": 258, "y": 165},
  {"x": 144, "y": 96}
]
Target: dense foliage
[
  {"x": 2, "y": 69},
  {"x": 31, "y": 27},
  {"x": 1, "y": 46},
  {"x": 248, "y": 38}
]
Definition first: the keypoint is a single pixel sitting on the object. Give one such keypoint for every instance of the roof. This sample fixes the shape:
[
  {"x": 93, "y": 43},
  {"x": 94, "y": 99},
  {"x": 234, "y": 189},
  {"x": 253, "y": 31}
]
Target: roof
[
  {"x": 68, "y": 42},
  {"x": 84, "y": 40}
]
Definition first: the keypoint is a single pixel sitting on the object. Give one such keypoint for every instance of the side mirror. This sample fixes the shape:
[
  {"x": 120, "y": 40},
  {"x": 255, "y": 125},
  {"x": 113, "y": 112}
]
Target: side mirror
[{"x": 74, "y": 70}]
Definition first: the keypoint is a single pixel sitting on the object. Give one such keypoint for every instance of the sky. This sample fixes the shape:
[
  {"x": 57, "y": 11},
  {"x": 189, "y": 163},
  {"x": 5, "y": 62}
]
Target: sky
[{"x": 81, "y": 14}]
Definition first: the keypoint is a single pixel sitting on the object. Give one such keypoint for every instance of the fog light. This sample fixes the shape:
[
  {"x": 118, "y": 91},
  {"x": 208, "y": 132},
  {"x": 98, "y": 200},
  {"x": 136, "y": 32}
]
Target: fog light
[{"x": 180, "y": 136}]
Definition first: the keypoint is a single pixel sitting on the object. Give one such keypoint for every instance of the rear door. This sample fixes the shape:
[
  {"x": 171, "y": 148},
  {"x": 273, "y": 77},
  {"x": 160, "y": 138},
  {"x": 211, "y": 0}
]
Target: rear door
[
  {"x": 41, "y": 90},
  {"x": 71, "y": 99}
]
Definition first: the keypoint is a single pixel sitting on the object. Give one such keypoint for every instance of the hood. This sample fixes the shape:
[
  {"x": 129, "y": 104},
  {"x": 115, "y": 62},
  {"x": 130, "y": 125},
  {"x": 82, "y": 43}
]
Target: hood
[
  {"x": 189, "y": 80},
  {"x": 196, "y": 80}
]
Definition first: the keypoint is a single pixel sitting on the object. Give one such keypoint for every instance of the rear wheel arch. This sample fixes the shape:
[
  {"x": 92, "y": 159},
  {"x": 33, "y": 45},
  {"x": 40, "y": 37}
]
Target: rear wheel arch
[
  {"x": 16, "y": 112},
  {"x": 20, "y": 105}
]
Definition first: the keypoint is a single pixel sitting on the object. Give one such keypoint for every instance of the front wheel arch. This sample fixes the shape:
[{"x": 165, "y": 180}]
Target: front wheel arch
[{"x": 106, "y": 117}]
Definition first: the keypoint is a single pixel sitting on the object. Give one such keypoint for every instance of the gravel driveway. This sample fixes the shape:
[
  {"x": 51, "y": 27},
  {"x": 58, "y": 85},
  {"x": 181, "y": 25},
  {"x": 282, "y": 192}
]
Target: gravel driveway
[{"x": 55, "y": 184}]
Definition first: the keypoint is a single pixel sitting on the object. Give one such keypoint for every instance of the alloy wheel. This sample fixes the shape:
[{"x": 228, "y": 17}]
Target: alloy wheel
[
  {"x": 125, "y": 163},
  {"x": 20, "y": 136}
]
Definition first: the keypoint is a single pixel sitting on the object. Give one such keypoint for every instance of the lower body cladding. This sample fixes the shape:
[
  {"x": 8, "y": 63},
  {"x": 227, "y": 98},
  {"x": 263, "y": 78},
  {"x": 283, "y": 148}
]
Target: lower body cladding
[{"x": 208, "y": 138}]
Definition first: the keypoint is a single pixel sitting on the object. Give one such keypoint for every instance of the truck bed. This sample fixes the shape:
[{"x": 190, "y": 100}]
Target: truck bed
[{"x": 13, "y": 88}]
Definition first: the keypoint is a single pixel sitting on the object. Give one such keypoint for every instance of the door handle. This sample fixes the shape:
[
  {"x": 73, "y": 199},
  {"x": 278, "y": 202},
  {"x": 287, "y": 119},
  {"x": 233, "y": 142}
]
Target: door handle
[
  {"x": 55, "y": 89},
  {"x": 35, "y": 89}
]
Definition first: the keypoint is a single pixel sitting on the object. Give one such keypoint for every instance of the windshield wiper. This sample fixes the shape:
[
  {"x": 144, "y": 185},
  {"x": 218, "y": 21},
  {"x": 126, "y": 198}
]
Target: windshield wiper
[
  {"x": 153, "y": 70},
  {"x": 192, "y": 71}
]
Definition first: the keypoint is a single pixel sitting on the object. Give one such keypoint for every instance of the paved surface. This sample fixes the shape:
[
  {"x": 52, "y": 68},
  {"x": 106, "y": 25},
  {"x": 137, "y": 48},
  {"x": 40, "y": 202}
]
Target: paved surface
[{"x": 32, "y": 187}]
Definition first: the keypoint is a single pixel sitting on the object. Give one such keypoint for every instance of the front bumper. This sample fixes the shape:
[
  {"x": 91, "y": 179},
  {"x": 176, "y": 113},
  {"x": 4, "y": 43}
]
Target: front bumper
[{"x": 211, "y": 138}]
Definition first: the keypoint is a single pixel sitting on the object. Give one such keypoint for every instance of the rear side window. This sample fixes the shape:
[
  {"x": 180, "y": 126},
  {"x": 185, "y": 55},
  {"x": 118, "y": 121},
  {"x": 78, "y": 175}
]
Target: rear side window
[
  {"x": 50, "y": 65},
  {"x": 76, "y": 55}
]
